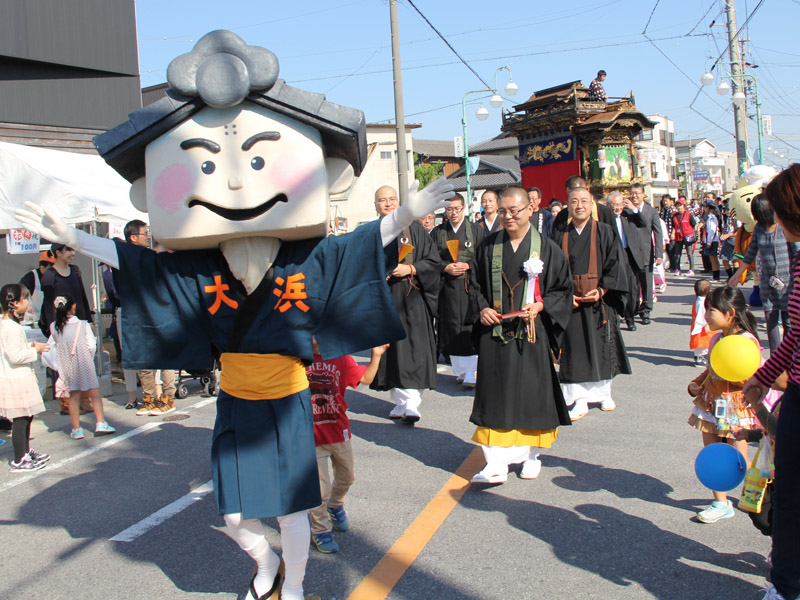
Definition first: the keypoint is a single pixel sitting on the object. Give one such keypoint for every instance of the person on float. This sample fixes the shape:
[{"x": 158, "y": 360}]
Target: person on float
[{"x": 235, "y": 168}]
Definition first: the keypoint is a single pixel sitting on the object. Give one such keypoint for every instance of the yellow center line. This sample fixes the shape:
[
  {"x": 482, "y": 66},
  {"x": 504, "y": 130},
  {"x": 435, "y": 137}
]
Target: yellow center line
[{"x": 384, "y": 576}]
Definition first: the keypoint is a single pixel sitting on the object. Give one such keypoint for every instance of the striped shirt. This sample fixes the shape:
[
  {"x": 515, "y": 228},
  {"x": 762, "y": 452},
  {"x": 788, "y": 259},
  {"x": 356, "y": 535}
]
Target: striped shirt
[{"x": 787, "y": 356}]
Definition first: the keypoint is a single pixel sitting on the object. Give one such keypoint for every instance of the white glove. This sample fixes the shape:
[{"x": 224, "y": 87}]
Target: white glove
[
  {"x": 419, "y": 204},
  {"x": 51, "y": 227},
  {"x": 47, "y": 225},
  {"x": 433, "y": 197}
]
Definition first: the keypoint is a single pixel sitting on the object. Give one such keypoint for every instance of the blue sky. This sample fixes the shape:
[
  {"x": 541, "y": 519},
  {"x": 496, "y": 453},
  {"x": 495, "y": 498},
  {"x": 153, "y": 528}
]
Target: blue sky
[{"x": 343, "y": 49}]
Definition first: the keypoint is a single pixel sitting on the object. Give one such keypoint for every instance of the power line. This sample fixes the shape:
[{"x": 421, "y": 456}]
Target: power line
[
  {"x": 736, "y": 37},
  {"x": 436, "y": 31},
  {"x": 650, "y": 18},
  {"x": 506, "y": 57},
  {"x": 702, "y": 18}
]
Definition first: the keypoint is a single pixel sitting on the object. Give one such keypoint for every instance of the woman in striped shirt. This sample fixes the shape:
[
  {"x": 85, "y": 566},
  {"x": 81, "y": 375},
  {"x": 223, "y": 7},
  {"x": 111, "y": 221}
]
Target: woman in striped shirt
[{"x": 783, "y": 193}]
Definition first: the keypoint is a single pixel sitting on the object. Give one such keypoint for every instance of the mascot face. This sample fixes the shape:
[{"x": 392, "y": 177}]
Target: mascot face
[
  {"x": 234, "y": 172},
  {"x": 740, "y": 205},
  {"x": 753, "y": 181}
]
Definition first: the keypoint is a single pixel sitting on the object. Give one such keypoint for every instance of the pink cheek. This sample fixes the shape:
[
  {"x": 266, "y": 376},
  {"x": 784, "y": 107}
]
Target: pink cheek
[
  {"x": 291, "y": 173},
  {"x": 172, "y": 187}
]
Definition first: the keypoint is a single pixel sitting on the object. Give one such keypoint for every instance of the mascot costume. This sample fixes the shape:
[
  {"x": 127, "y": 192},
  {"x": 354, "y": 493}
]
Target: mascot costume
[
  {"x": 752, "y": 182},
  {"x": 235, "y": 169}
]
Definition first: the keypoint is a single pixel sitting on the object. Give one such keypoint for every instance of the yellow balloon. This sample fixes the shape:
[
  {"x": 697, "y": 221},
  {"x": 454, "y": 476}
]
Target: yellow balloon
[{"x": 735, "y": 358}]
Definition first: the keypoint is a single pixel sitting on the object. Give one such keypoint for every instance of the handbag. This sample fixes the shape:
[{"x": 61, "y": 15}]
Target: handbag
[
  {"x": 61, "y": 388},
  {"x": 758, "y": 477}
]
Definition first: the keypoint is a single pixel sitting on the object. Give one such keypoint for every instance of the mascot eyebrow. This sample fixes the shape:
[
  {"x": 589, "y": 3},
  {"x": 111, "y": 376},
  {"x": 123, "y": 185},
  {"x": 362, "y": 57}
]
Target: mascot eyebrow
[
  {"x": 200, "y": 143},
  {"x": 269, "y": 136}
]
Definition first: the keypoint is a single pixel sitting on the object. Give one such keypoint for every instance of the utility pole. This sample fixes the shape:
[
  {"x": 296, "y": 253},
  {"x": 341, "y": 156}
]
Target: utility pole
[
  {"x": 739, "y": 112},
  {"x": 399, "y": 118}
]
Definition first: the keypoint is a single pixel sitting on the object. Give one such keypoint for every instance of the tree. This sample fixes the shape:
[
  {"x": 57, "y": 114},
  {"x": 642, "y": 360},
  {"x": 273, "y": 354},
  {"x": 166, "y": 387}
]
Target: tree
[{"x": 427, "y": 173}]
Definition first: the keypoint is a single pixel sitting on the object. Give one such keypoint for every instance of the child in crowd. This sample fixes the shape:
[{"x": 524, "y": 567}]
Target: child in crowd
[
  {"x": 726, "y": 314},
  {"x": 75, "y": 346},
  {"x": 328, "y": 380},
  {"x": 20, "y": 399},
  {"x": 701, "y": 334}
]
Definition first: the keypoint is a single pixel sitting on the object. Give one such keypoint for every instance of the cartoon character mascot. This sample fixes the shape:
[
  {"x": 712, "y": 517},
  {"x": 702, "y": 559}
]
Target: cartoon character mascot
[
  {"x": 752, "y": 182},
  {"x": 235, "y": 169}
]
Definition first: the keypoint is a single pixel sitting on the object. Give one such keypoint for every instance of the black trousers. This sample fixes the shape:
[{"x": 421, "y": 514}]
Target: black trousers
[
  {"x": 785, "y": 572},
  {"x": 644, "y": 287}
]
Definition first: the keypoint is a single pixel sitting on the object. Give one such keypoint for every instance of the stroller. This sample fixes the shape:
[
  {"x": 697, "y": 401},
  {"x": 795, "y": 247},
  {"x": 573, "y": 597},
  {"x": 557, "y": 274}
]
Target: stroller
[{"x": 208, "y": 378}]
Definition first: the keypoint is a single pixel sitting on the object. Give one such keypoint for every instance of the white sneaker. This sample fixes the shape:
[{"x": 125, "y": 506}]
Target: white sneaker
[
  {"x": 397, "y": 412},
  {"x": 772, "y": 594},
  {"x": 411, "y": 416},
  {"x": 578, "y": 411},
  {"x": 490, "y": 476},
  {"x": 608, "y": 404},
  {"x": 531, "y": 469}
]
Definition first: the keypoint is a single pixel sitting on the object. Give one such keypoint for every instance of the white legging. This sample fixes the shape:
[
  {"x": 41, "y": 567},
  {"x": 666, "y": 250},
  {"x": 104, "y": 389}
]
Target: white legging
[{"x": 295, "y": 539}]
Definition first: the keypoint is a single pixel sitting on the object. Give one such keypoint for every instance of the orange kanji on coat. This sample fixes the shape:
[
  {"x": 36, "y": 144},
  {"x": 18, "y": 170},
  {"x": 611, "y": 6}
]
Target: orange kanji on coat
[
  {"x": 295, "y": 291},
  {"x": 219, "y": 289}
]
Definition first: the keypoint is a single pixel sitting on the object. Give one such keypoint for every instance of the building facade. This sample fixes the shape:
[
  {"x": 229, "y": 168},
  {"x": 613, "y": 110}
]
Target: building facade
[
  {"x": 703, "y": 168},
  {"x": 357, "y": 205},
  {"x": 657, "y": 159}
]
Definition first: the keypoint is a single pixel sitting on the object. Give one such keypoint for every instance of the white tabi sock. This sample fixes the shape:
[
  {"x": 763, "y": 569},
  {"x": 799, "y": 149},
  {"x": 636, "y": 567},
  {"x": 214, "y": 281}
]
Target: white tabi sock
[
  {"x": 249, "y": 534},
  {"x": 295, "y": 538}
]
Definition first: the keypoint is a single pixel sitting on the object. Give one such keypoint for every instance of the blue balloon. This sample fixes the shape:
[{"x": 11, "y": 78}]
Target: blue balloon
[{"x": 720, "y": 467}]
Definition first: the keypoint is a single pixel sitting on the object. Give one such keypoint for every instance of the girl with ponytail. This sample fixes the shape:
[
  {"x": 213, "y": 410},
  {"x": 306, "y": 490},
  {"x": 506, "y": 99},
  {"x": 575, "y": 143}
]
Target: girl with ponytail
[
  {"x": 75, "y": 346},
  {"x": 20, "y": 399}
]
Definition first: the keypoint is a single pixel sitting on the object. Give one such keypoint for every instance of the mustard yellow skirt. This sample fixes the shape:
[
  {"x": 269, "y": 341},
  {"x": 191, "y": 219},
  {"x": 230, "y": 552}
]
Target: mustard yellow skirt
[{"x": 540, "y": 438}]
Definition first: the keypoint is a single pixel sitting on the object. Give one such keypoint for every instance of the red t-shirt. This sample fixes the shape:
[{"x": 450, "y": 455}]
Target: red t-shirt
[{"x": 328, "y": 380}]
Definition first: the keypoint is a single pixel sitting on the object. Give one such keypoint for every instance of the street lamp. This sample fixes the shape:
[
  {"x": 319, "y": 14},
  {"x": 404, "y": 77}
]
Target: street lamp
[
  {"x": 495, "y": 101},
  {"x": 739, "y": 98}
]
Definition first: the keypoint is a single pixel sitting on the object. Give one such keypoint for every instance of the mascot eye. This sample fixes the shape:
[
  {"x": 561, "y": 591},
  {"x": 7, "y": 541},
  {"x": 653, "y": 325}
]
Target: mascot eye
[
  {"x": 208, "y": 167},
  {"x": 257, "y": 163}
]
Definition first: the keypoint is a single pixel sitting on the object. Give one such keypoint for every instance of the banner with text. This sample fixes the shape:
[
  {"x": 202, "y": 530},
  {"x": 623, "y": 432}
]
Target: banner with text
[{"x": 545, "y": 152}]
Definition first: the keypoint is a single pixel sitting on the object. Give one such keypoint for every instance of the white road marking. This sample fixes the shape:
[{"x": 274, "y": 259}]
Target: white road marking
[
  {"x": 116, "y": 439},
  {"x": 170, "y": 510}
]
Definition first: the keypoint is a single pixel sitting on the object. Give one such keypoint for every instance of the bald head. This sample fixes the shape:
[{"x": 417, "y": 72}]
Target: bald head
[{"x": 386, "y": 200}]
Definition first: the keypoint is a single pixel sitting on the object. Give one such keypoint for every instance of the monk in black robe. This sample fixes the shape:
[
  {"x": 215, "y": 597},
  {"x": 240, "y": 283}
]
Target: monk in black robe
[
  {"x": 593, "y": 352},
  {"x": 490, "y": 222},
  {"x": 408, "y": 366},
  {"x": 455, "y": 315},
  {"x": 518, "y": 403}
]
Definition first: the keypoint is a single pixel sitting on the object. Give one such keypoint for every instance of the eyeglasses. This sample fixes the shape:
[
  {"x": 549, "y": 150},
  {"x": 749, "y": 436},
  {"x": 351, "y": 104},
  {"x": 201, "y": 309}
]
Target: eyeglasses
[
  {"x": 513, "y": 212},
  {"x": 584, "y": 202},
  {"x": 454, "y": 209},
  {"x": 143, "y": 232},
  {"x": 390, "y": 200}
]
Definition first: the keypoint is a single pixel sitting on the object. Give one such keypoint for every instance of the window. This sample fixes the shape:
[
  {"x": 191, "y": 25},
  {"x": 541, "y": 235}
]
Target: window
[
  {"x": 653, "y": 170},
  {"x": 386, "y": 155},
  {"x": 646, "y": 134}
]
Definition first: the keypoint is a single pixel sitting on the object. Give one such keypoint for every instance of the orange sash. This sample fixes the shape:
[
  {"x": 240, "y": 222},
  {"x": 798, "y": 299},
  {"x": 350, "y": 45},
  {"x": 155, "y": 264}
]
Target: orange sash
[{"x": 261, "y": 376}]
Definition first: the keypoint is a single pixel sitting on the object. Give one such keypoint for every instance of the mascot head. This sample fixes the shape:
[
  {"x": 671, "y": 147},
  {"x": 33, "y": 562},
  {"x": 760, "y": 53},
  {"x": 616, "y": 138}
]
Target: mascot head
[
  {"x": 232, "y": 151},
  {"x": 752, "y": 182}
]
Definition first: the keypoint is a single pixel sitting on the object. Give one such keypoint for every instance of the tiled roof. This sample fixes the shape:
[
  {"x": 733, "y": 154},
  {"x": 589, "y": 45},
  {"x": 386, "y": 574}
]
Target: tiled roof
[
  {"x": 694, "y": 142},
  {"x": 435, "y": 148},
  {"x": 494, "y": 171},
  {"x": 504, "y": 141}
]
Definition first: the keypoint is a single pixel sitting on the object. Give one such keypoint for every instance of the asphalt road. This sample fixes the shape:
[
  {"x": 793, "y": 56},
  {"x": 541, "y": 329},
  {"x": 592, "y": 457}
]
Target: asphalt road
[{"x": 610, "y": 516}]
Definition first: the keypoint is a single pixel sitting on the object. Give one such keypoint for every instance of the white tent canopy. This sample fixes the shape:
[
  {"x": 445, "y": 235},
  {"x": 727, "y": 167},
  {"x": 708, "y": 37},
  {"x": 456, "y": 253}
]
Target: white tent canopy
[{"x": 79, "y": 187}]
